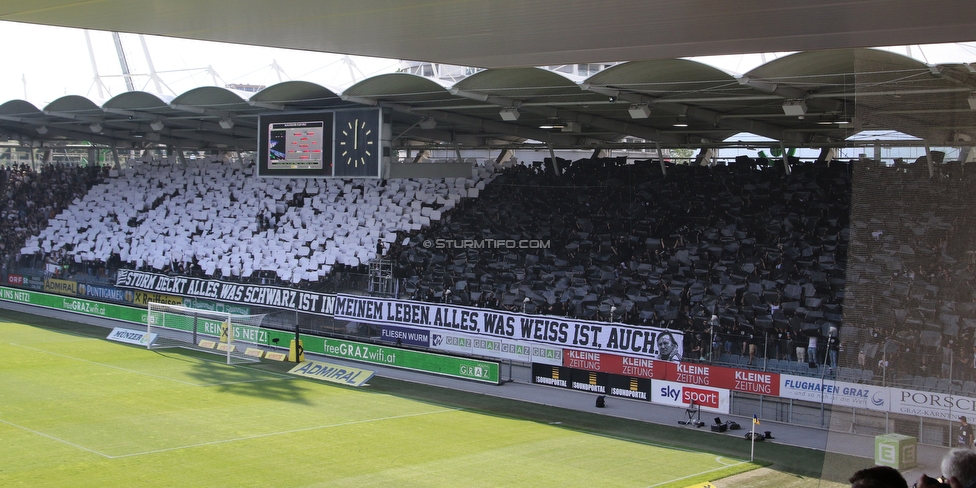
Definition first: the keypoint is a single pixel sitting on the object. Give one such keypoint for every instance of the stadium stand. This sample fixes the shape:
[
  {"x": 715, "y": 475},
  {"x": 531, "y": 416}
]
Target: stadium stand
[
  {"x": 764, "y": 252},
  {"x": 34, "y": 196},
  {"x": 748, "y": 260},
  {"x": 210, "y": 219},
  {"x": 911, "y": 275}
]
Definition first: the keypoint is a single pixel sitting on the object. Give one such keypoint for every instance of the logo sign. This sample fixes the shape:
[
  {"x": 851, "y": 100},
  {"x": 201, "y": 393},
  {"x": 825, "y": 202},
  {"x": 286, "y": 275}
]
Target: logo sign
[
  {"x": 212, "y": 306},
  {"x": 630, "y": 387},
  {"x": 887, "y": 454},
  {"x": 616, "y": 364},
  {"x": 838, "y": 393},
  {"x": 275, "y": 356},
  {"x": 491, "y": 347},
  {"x": 405, "y": 335},
  {"x": 61, "y": 287},
  {"x": 15, "y": 279},
  {"x": 515, "y": 350},
  {"x": 682, "y": 395},
  {"x": 932, "y": 405},
  {"x": 34, "y": 282},
  {"x": 478, "y": 371},
  {"x": 143, "y": 298},
  {"x": 545, "y": 374},
  {"x": 749, "y": 381},
  {"x": 333, "y": 373},
  {"x": 547, "y": 355},
  {"x": 458, "y": 343},
  {"x": 693, "y": 374},
  {"x": 15, "y": 295},
  {"x": 130, "y": 336},
  {"x": 590, "y": 381},
  {"x": 101, "y": 292},
  {"x": 589, "y": 361}
]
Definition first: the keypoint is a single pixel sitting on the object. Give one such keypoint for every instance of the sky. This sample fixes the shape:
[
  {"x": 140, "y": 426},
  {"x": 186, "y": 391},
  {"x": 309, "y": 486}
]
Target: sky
[{"x": 58, "y": 63}]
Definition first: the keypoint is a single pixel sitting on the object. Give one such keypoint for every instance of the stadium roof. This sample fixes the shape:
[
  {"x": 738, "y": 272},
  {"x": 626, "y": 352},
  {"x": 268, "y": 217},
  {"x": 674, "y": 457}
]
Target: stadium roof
[
  {"x": 805, "y": 100},
  {"x": 513, "y": 33}
]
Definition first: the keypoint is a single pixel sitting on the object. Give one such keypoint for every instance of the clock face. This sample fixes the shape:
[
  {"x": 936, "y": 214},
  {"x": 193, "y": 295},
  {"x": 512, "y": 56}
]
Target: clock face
[{"x": 357, "y": 142}]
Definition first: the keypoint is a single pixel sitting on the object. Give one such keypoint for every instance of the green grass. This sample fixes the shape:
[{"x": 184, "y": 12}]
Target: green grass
[{"x": 78, "y": 410}]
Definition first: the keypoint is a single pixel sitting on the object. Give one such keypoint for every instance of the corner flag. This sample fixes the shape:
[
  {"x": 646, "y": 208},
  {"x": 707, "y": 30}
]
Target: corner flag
[{"x": 752, "y": 438}]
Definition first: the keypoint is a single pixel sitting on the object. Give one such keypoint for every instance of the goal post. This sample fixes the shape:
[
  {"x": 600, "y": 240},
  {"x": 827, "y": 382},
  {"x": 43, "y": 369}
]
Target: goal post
[{"x": 203, "y": 330}]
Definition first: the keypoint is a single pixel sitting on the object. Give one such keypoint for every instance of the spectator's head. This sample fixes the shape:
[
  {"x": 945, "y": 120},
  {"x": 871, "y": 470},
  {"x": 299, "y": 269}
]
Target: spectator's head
[
  {"x": 960, "y": 463},
  {"x": 878, "y": 477}
]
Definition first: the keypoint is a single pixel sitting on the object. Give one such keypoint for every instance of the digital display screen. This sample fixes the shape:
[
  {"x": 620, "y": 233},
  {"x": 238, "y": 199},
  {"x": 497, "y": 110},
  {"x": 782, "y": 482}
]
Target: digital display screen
[{"x": 295, "y": 145}]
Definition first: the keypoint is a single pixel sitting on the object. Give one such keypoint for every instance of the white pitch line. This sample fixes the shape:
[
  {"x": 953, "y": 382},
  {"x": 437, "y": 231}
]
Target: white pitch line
[
  {"x": 718, "y": 459},
  {"x": 201, "y": 385},
  {"x": 697, "y": 474},
  {"x": 58, "y": 341},
  {"x": 83, "y": 448},
  {"x": 270, "y": 434}
]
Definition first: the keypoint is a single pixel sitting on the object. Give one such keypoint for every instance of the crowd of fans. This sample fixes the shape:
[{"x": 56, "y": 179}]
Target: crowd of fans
[
  {"x": 734, "y": 255},
  {"x": 749, "y": 260},
  {"x": 762, "y": 251},
  {"x": 912, "y": 278},
  {"x": 32, "y": 196},
  {"x": 212, "y": 218}
]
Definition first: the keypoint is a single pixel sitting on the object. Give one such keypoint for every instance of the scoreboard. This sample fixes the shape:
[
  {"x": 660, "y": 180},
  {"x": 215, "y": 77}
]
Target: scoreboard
[
  {"x": 296, "y": 145},
  {"x": 341, "y": 144}
]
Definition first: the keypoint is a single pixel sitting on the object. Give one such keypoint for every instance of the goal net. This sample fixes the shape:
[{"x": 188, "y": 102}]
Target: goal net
[{"x": 237, "y": 337}]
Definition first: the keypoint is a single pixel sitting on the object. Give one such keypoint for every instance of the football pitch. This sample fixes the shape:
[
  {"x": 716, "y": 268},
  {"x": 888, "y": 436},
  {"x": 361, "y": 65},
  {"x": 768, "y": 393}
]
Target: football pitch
[{"x": 79, "y": 410}]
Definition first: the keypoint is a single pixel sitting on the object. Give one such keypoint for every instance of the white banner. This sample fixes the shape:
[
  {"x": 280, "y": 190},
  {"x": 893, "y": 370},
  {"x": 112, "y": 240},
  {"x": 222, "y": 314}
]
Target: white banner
[
  {"x": 242, "y": 293},
  {"x": 682, "y": 395},
  {"x": 838, "y": 393},
  {"x": 558, "y": 332},
  {"x": 932, "y": 405},
  {"x": 130, "y": 336},
  {"x": 457, "y": 342}
]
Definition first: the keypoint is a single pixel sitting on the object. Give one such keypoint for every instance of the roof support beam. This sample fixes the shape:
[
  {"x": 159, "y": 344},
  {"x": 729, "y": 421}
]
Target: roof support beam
[
  {"x": 70, "y": 116},
  {"x": 596, "y": 121},
  {"x": 699, "y": 114},
  {"x": 794, "y": 93},
  {"x": 267, "y": 105},
  {"x": 660, "y": 159},
  {"x": 469, "y": 121}
]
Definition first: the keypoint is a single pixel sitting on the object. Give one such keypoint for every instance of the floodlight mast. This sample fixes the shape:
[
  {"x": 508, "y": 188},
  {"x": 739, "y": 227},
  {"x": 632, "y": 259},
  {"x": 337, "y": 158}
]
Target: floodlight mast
[
  {"x": 98, "y": 79},
  {"x": 125, "y": 64},
  {"x": 152, "y": 68}
]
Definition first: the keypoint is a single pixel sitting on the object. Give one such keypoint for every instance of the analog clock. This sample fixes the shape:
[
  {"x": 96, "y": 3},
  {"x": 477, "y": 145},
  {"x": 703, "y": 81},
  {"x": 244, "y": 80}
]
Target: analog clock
[{"x": 356, "y": 139}]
